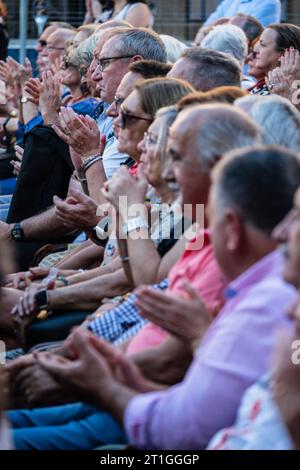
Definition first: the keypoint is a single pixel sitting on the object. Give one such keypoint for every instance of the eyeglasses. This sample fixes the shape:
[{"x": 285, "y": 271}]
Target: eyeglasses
[
  {"x": 104, "y": 63},
  {"x": 149, "y": 139},
  {"x": 50, "y": 48},
  {"x": 128, "y": 120}
]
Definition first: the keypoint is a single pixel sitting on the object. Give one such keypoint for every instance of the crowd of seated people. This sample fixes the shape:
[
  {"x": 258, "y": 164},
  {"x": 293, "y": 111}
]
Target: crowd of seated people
[{"x": 150, "y": 236}]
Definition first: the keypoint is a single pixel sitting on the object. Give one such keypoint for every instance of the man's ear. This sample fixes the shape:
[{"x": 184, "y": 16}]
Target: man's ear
[
  {"x": 137, "y": 57},
  {"x": 233, "y": 230}
]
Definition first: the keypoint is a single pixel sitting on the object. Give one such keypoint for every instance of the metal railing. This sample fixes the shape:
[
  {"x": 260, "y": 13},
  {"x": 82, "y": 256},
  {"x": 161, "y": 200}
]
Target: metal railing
[{"x": 180, "y": 18}]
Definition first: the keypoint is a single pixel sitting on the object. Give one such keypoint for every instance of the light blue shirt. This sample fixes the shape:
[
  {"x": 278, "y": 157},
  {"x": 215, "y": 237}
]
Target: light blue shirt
[
  {"x": 112, "y": 158},
  {"x": 266, "y": 11}
]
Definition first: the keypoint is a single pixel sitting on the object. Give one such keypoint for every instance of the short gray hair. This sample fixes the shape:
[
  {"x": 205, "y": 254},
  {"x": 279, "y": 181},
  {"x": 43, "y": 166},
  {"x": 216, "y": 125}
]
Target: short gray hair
[
  {"x": 223, "y": 128},
  {"x": 210, "y": 69},
  {"x": 173, "y": 46},
  {"x": 279, "y": 120},
  {"x": 229, "y": 39},
  {"x": 140, "y": 41}
]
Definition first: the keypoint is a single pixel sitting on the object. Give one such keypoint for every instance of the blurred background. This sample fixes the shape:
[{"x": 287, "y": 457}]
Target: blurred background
[{"x": 181, "y": 18}]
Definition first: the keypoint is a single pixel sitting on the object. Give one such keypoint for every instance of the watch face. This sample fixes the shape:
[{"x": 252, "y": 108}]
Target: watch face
[{"x": 16, "y": 233}]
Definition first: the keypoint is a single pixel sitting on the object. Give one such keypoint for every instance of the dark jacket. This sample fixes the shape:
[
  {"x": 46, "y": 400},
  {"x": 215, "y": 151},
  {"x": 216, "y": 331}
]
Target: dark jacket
[{"x": 46, "y": 171}]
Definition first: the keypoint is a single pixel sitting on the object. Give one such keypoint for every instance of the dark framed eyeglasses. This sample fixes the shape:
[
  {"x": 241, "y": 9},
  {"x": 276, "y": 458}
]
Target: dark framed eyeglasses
[
  {"x": 53, "y": 48},
  {"x": 105, "y": 61},
  {"x": 128, "y": 119}
]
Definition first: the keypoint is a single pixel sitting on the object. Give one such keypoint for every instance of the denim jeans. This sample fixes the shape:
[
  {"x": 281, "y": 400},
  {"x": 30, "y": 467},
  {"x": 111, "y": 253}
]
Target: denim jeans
[{"x": 75, "y": 426}]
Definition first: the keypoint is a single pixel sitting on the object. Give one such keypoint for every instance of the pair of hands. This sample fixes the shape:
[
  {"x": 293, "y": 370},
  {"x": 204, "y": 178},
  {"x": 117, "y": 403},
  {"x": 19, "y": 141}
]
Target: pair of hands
[
  {"x": 45, "y": 93},
  {"x": 186, "y": 317},
  {"x": 123, "y": 185},
  {"x": 81, "y": 133},
  {"x": 282, "y": 80},
  {"x": 91, "y": 363},
  {"x": 78, "y": 211},
  {"x": 19, "y": 152},
  {"x": 11, "y": 72}
]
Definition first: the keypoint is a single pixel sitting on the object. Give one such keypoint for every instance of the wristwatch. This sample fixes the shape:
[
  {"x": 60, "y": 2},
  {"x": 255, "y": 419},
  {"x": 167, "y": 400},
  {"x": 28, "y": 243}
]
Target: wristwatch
[
  {"x": 41, "y": 300},
  {"x": 134, "y": 224},
  {"x": 17, "y": 233},
  {"x": 100, "y": 234},
  {"x": 24, "y": 99}
]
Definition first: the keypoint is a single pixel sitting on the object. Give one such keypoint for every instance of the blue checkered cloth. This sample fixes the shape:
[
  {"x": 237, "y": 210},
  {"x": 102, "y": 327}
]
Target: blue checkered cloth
[{"x": 123, "y": 322}]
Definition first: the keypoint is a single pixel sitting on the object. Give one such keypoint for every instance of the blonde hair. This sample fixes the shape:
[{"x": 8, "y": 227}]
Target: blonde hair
[{"x": 157, "y": 93}]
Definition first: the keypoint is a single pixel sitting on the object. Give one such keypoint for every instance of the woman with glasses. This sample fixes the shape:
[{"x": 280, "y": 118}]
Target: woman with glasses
[
  {"x": 136, "y": 12},
  {"x": 136, "y": 117}
]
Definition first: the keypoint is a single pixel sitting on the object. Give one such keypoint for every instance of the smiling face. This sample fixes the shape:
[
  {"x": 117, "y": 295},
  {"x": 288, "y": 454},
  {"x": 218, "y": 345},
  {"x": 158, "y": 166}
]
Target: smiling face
[
  {"x": 267, "y": 56},
  {"x": 287, "y": 234},
  {"x": 137, "y": 123}
]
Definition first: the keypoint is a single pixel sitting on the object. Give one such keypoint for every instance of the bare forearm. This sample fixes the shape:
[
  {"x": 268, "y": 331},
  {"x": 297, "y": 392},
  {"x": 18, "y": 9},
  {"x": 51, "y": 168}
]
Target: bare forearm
[
  {"x": 95, "y": 176},
  {"x": 89, "y": 294},
  {"x": 110, "y": 268},
  {"x": 45, "y": 225},
  {"x": 114, "y": 398},
  {"x": 143, "y": 253},
  {"x": 29, "y": 112}
]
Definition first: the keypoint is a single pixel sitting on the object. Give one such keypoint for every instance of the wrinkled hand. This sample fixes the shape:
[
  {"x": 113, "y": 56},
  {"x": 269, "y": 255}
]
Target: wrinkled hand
[
  {"x": 87, "y": 372},
  {"x": 26, "y": 309},
  {"x": 32, "y": 90},
  {"x": 37, "y": 386},
  {"x": 80, "y": 132},
  {"x": 50, "y": 95},
  {"x": 57, "y": 68},
  {"x": 24, "y": 279},
  {"x": 123, "y": 184},
  {"x": 290, "y": 64},
  {"x": 78, "y": 211},
  {"x": 279, "y": 84},
  {"x": 13, "y": 72},
  {"x": 19, "y": 152},
  {"x": 27, "y": 306},
  {"x": 186, "y": 317}
]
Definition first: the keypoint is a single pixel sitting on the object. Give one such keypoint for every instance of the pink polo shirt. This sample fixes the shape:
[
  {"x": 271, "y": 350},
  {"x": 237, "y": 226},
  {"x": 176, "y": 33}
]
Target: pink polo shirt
[{"x": 197, "y": 266}]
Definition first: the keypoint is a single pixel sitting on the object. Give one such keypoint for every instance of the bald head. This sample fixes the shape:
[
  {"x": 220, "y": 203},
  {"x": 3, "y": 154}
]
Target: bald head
[
  {"x": 214, "y": 129},
  {"x": 57, "y": 43},
  {"x": 211, "y": 131}
]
